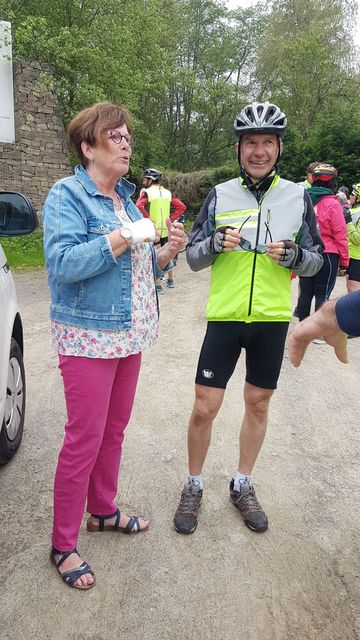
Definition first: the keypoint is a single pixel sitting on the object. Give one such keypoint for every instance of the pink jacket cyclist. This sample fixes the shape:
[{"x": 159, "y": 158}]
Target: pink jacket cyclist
[{"x": 332, "y": 227}]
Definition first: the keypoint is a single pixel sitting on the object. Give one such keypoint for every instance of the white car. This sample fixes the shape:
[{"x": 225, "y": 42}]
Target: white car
[{"x": 17, "y": 218}]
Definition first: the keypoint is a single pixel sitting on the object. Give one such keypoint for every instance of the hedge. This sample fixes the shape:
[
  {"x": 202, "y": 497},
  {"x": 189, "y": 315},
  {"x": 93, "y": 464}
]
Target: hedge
[{"x": 192, "y": 188}]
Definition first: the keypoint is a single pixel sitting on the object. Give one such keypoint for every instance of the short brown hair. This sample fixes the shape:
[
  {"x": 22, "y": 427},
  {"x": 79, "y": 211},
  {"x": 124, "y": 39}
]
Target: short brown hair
[
  {"x": 312, "y": 166},
  {"x": 90, "y": 124}
]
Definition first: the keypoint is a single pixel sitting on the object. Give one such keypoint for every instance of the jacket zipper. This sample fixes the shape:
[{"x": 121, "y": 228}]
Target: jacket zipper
[{"x": 255, "y": 255}]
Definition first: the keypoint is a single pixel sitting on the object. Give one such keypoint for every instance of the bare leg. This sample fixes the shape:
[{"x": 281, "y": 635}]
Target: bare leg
[
  {"x": 253, "y": 427},
  {"x": 352, "y": 285},
  {"x": 207, "y": 404},
  {"x": 208, "y": 401}
]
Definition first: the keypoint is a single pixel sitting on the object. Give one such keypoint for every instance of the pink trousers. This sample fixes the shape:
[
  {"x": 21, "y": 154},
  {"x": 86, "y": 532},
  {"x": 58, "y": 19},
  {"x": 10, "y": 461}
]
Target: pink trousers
[{"x": 99, "y": 397}]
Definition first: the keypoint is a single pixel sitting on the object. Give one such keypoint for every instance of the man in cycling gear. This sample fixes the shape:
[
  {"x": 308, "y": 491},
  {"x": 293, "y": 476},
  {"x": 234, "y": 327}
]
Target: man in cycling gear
[
  {"x": 253, "y": 231},
  {"x": 158, "y": 204}
]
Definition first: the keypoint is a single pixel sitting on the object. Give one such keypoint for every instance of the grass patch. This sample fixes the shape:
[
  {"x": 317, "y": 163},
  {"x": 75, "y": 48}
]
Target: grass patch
[{"x": 25, "y": 252}]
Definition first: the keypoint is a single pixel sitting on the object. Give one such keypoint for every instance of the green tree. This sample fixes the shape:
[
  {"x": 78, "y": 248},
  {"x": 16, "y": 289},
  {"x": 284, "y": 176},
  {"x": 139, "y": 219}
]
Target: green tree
[
  {"x": 307, "y": 64},
  {"x": 99, "y": 51},
  {"x": 184, "y": 68},
  {"x": 214, "y": 62}
]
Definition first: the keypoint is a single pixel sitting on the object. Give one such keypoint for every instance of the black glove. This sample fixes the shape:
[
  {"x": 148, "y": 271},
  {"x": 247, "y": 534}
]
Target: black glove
[
  {"x": 217, "y": 242},
  {"x": 347, "y": 216},
  {"x": 292, "y": 254},
  {"x": 217, "y": 239}
]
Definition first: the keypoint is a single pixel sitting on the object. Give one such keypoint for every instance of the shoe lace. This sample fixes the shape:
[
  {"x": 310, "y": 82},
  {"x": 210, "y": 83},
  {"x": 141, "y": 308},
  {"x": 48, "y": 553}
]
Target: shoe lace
[
  {"x": 250, "y": 500},
  {"x": 189, "y": 502}
]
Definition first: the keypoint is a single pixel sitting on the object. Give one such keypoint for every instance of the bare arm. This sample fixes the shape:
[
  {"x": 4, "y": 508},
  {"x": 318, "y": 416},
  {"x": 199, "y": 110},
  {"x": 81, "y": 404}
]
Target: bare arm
[{"x": 324, "y": 324}]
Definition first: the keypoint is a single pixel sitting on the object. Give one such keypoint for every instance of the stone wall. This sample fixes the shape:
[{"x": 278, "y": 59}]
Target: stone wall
[{"x": 39, "y": 156}]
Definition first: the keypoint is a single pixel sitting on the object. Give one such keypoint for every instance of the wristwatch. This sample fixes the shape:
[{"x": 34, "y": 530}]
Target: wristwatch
[{"x": 127, "y": 235}]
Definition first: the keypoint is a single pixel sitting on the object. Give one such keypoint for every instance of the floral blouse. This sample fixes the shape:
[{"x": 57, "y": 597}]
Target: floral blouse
[{"x": 71, "y": 340}]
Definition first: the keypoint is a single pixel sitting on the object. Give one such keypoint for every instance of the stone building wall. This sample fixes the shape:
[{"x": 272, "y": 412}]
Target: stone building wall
[{"x": 39, "y": 155}]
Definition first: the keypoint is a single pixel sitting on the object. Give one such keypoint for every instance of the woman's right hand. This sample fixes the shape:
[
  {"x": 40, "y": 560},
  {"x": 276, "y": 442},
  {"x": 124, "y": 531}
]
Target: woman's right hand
[{"x": 142, "y": 231}]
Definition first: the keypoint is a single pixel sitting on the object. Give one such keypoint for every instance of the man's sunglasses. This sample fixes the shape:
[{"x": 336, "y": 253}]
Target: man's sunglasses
[{"x": 246, "y": 244}]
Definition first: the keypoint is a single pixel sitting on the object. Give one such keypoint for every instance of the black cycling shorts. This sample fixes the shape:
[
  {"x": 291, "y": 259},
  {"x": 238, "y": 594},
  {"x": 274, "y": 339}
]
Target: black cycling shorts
[
  {"x": 354, "y": 270},
  {"x": 264, "y": 343}
]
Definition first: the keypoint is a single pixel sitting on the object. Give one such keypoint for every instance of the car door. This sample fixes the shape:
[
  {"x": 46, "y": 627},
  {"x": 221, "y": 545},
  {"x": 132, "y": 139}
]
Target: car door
[{"x": 6, "y": 306}]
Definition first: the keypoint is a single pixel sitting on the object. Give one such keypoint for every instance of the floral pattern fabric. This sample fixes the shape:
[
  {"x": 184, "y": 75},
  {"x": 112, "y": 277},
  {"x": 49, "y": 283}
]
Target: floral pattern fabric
[{"x": 71, "y": 340}]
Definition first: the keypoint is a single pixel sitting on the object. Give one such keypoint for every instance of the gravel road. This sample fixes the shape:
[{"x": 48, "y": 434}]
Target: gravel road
[{"x": 298, "y": 581}]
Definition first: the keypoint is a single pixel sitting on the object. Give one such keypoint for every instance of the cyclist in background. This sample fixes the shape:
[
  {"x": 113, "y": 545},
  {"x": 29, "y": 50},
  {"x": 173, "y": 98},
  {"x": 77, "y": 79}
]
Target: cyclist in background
[
  {"x": 158, "y": 204},
  {"x": 343, "y": 202},
  {"x": 344, "y": 190},
  {"x": 307, "y": 184},
  {"x": 309, "y": 175},
  {"x": 332, "y": 228},
  {"x": 352, "y": 219},
  {"x": 253, "y": 231}
]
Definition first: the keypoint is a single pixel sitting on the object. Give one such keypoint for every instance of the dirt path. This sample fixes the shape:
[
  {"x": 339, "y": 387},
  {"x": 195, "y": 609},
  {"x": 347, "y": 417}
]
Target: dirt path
[{"x": 299, "y": 581}]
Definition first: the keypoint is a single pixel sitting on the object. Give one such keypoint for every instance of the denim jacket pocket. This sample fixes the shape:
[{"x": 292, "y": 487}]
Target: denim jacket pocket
[
  {"x": 91, "y": 296},
  {"x": 97, "y": 227}
]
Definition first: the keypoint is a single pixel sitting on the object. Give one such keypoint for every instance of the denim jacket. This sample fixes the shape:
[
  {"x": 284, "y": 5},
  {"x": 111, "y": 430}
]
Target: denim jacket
[{"x": 89, "y": 286}]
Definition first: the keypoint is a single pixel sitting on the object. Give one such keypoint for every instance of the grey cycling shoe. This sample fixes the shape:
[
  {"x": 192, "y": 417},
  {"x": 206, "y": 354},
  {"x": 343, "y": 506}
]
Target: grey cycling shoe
[
  {"x": 247, "y": 503},
  {"x": 186, "y": 515}
]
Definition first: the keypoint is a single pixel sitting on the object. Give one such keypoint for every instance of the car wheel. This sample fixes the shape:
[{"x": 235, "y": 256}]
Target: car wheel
[{"x": 13, "y": 423}]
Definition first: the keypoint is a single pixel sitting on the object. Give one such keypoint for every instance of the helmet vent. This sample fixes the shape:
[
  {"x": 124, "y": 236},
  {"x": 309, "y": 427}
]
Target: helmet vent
[{"x": 260, "y": 117}]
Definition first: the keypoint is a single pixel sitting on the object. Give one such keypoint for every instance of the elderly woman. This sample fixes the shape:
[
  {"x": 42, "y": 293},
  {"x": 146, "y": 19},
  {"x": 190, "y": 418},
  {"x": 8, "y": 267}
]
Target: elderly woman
[{"x": 101, "y": 267}]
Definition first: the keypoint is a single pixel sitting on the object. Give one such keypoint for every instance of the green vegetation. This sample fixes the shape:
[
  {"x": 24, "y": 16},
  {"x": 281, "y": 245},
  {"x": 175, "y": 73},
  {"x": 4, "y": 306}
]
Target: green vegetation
[
  {"x": 184, "y": 68},
  {"x": 24, "y": 252},
  {"x": 193, "y": 187}
]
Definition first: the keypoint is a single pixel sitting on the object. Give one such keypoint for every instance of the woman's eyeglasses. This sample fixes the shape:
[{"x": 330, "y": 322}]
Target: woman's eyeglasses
[{"x": 117, "y": 137}]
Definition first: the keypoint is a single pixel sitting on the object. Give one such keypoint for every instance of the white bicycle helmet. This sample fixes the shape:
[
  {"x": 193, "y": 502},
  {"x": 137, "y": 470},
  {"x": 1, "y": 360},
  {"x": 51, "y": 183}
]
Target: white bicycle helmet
[
  {"x": 152, "y": 174},
  {"x": 261, "y": 117}
]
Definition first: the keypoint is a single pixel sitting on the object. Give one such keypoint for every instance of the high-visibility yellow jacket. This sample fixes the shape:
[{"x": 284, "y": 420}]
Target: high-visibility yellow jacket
[{"x": 247, "y": 285}]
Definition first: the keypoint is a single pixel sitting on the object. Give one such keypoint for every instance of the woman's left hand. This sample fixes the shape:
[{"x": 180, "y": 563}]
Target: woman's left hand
[
  {"x": 175, "y": 243},
  {"x": 176, "y": 237}
]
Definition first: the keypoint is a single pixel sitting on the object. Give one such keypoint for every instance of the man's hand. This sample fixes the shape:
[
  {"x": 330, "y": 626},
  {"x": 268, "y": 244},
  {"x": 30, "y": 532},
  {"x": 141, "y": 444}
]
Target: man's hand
[
  {"x": 225, "y": 239},
  {"x": 322, "y": 324},
  {"x": 285, "y": 252}
]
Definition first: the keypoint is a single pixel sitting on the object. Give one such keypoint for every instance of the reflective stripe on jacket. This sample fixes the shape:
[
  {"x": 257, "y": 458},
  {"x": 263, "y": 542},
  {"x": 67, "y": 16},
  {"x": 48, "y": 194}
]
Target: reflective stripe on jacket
[{"x": 245, "y": 285}]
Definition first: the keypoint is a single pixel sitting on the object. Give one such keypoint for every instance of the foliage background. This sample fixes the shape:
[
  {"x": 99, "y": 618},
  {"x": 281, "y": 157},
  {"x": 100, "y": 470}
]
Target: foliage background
[{"x": 184, "y": 68}]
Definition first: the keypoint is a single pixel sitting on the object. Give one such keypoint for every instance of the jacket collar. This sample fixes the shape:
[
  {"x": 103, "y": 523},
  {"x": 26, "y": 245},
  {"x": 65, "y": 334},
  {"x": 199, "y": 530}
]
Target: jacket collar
[{"x": 123, "y": 187}]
